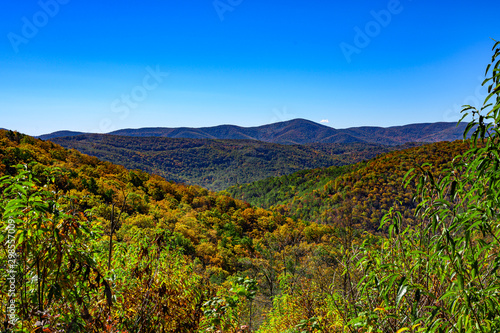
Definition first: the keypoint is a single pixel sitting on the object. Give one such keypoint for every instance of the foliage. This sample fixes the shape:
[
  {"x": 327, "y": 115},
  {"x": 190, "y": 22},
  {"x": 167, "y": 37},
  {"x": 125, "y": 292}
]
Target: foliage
[
  {"x": 369, "y": 188},
  {"x": 442, "y": 276},
  {"x": 303, "y": 308},
  {"x": 160, "y": 250},
  {"x": 48, "y": 253},
  {"x": 57, "y": 260},
  {"x": 217, "y": 164},
  {"x": 154, "y": 287},
  {"x": 225, "y": 311}
]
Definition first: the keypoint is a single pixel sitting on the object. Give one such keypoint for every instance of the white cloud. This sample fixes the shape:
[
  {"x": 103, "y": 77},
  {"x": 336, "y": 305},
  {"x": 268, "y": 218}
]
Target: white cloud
[{"x": 325, "y": 121}]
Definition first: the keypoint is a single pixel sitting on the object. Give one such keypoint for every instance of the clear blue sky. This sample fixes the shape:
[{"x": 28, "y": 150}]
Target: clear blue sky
[{"x": 86, "y": 65}]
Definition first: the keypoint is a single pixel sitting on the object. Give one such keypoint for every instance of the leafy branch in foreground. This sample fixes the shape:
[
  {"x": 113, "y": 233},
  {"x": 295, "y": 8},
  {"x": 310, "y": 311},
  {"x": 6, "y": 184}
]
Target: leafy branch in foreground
[
  {"x": 54, "y": 275},
  {"x": 443, "y": 275}
]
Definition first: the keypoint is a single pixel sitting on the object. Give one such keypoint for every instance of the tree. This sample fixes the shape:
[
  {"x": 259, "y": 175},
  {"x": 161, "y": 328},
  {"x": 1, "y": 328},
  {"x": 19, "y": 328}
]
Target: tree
[
  {"x": 443, "y": 274},
  {"x": 48, "y": 255}
]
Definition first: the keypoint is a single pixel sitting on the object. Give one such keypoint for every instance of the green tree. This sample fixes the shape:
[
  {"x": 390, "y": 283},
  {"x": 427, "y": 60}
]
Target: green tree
[
  {"x": 443, "y": 275},
  {"x": 47, "y": 252}
]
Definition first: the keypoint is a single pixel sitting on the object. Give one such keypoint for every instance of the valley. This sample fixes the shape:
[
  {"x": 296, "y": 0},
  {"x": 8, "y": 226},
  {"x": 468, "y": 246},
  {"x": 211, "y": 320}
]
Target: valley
[{"x": 217, "y": 164}]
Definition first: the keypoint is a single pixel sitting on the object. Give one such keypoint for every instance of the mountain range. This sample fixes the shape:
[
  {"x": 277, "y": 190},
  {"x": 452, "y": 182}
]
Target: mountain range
[{"x": 300, "y": 131}]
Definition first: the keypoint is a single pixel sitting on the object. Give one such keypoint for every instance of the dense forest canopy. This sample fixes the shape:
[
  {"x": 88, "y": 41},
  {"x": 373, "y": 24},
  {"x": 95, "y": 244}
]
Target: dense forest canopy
[
  {"x": 369, "y": 188},
  {"x": 217, "y": 164}
]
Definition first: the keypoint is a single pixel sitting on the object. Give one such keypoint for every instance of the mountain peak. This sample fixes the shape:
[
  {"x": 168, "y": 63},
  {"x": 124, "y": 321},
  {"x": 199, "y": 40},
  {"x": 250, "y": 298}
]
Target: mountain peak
[{"x": 300, "y": 131}]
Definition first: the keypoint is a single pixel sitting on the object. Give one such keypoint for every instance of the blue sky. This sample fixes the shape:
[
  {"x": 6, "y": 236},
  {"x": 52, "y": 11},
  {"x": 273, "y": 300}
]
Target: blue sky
[{"x": 97, "y": 66}]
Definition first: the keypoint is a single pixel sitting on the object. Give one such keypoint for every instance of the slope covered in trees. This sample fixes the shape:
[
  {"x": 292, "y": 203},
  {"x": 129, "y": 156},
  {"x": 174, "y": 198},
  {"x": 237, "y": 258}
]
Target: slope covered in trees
[
  {"x": 301, "y": 131},
  {"x": 368, "y": 189},
  {"x": 182, "y": 258},
  {"x": 216, "y": 164},
  {"x": 100, "y": 248}
]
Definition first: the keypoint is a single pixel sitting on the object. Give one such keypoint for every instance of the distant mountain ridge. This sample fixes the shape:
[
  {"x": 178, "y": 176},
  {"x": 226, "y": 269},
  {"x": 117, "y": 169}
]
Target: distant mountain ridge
[
  {"x": 300, "y": 131},
  {"x": 59, "y": 134}
]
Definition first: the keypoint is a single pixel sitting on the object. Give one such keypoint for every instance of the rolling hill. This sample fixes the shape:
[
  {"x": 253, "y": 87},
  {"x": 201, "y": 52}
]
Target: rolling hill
[
  {"x": 223, "y": 156},
  {"x": 216, "y": 164},
  {"x": 206, "y": 239},
  {"x": 367, "y": 189},
  {"x": 301, "y": 131},
  {"x": 184, "y": 238},
  {"x": 59, "y": 134}
]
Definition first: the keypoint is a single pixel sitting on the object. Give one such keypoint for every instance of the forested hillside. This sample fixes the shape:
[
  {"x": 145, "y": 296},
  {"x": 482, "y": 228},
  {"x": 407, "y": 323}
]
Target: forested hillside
[
  {"x": 301, "y": 131},
  {"x": 180, "y": 258},
  {"x": 367, "y": 189},
  {"x": 217, "y": 164}
]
